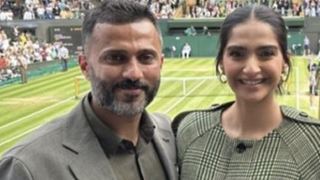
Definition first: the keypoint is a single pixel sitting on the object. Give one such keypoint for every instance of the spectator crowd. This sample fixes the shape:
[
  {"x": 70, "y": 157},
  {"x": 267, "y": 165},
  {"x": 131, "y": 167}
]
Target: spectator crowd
[
  {"x": 18, "y": 52},
  {"x": 312, "y": 8},
  {"x": 67, "y": 9},
  {"x": 43, "y": 9},
  {"x": 219, "y": 8}
]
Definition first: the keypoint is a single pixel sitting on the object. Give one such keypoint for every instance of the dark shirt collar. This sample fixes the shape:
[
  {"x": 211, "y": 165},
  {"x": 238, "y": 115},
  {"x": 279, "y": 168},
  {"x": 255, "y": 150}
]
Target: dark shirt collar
[
  {"x": 108, "y": 139},
  {"x": 146, "y": 127}
]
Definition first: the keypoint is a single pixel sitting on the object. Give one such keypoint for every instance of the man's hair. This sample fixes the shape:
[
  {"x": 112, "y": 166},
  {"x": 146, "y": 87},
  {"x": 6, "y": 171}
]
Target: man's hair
[{"x": 116, "y": 12}]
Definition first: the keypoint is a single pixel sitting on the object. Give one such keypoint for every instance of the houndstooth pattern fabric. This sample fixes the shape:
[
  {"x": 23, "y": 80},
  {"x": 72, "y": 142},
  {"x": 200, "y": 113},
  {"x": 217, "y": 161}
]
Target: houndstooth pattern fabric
[{"x": 290, "y": 152}]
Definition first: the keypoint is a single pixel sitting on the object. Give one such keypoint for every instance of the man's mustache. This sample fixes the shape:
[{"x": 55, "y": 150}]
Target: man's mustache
[{"x": 130, "y": 84}]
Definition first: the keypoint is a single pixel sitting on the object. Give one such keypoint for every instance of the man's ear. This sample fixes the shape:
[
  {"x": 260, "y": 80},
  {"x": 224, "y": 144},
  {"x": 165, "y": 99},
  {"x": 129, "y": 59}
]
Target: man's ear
[
  {"x": 161, "y": 60},
  {"x": 84, "y": 66}
]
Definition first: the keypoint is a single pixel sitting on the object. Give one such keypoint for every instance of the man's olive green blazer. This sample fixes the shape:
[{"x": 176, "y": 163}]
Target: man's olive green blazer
[{"x": 67, "y": 149}]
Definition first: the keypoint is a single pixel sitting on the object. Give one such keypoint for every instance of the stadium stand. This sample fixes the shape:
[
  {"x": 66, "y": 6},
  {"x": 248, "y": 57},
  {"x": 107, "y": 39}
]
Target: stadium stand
[
  {"x": 164, "y": 9},
  {"x": 44, "y": 9}
]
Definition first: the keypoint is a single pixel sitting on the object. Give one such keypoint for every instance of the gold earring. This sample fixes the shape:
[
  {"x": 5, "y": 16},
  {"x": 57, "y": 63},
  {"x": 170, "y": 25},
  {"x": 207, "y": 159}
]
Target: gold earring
[
  {"x": 284, "y": 74},
  {"x": 222, "y": 77}
]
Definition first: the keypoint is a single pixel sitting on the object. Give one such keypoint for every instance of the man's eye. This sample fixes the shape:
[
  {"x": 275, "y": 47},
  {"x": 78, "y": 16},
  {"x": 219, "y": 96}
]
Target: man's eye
[
  {"x": 146, "y": 58},
  {"x": 114, "y": 58}
]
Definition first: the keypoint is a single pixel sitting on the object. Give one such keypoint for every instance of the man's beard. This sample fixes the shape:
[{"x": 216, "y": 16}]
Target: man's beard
[{"x": 104, "y": 91}]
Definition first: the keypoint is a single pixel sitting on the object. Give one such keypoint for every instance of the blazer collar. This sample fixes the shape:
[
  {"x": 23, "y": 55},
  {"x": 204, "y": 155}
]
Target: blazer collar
[{"x": 88, "y": 160}]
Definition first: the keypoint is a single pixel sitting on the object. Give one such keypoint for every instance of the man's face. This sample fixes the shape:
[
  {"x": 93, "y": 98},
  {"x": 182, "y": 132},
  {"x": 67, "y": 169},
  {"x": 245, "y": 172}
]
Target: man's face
[{"x": 123, "y": 66}]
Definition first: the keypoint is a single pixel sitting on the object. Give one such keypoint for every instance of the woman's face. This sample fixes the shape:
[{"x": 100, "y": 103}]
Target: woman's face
[{"x": 252, "y": 61}]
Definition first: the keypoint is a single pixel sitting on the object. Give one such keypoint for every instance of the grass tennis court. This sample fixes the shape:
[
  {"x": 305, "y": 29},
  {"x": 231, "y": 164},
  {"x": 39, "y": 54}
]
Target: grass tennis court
[{"x": 186, "y": 84}]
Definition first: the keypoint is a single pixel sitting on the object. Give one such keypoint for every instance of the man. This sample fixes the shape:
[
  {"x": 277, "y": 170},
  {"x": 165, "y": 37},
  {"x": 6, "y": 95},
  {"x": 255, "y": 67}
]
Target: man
[
  {"x": 191, "y": 31},
  {"x": 109, "y": 135},
  {"x": 3, "y": 61},
  {"x": 23, "y": 66},
  {"x": 306, "y": 43},
  {"x": 63, "y": 54},
  {"x": 186, "y": 50}
]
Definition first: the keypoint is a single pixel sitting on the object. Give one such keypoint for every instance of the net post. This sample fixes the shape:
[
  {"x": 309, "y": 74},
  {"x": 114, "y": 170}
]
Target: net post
[{"x": 77, "y": 87}]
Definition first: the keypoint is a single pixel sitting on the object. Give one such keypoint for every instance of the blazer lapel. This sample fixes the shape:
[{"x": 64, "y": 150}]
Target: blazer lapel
[
  {"x": 88, "y": 161},
  {"x": 91, "y": 163},
  {"x": 165, "y": 146}
]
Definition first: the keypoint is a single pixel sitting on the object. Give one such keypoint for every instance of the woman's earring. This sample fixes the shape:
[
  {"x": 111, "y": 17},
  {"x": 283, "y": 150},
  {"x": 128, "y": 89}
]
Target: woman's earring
[
  {"x": 222, "y": 77},
  {"x": 284, "y": 74}
]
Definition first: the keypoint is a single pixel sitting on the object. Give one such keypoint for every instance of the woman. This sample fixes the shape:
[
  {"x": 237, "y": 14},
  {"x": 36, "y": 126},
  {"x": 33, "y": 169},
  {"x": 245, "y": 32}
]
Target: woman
[{"x": 253, "y": 137}]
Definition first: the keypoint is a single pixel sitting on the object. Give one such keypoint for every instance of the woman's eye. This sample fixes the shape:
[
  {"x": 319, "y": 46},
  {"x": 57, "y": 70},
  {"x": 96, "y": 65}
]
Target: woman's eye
[
  {"x": 236, "y": 54},
  {"x": 266, "y": 54}
]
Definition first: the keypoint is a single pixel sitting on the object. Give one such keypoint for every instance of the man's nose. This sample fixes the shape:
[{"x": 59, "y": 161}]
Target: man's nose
[{"x": 133, "y": 70}]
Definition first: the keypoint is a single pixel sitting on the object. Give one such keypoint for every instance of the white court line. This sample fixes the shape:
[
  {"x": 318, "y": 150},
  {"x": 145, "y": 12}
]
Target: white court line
[
  {"x": 181, "y": 99},
  {"x": 30, "y": 115}
]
